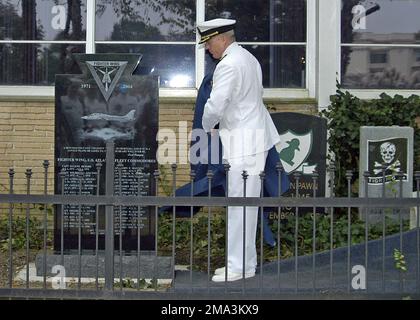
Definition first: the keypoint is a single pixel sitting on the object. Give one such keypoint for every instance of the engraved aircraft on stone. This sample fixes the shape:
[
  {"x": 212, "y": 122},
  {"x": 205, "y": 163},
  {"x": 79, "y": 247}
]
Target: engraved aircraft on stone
[{"x": 103, "y": 116}]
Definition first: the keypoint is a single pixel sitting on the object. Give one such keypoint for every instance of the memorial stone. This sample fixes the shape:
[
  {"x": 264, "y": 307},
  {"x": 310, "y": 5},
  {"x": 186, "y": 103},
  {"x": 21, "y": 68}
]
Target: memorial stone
[
  {"x": 302, "y": 149},
  {"x": 386, "y": 152},
  {"x": 105, "y": 103}
]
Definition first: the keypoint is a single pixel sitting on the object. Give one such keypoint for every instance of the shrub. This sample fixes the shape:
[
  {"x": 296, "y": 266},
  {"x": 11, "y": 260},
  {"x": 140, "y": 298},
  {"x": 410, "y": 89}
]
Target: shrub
[
  {"x": 347, "y": 113},
  {"x": 36, "y": 234}
]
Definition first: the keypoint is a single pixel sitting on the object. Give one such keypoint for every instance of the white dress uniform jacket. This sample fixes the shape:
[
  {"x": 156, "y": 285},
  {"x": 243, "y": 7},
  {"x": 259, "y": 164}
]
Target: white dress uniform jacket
[{"x": 236, "y": 103}]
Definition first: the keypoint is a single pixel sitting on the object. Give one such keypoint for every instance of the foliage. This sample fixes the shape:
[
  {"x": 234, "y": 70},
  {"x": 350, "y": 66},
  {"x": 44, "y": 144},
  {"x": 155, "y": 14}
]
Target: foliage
[
  {"x": 175, "y": 14},
  {"x": 131, "y": 284},
  {"x": 36, "y": 234},
  {"x": 200, "y": 237},
  {"x": 287, "y": 236},
  {"x": 35, "y": 225},
  {"x": 347, "y": 113},
  {"x": 163, "y": 180},
  {"x": 399, "y": 259},
  {"x": 323, "y": 232}
]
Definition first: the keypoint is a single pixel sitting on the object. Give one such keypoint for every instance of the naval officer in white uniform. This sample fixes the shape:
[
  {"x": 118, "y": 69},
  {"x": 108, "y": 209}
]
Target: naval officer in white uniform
[{"x": 247, "y": 133}]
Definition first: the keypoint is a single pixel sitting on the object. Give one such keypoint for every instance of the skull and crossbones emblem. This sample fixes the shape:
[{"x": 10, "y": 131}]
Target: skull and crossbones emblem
[{"x": 388, "y": 151}]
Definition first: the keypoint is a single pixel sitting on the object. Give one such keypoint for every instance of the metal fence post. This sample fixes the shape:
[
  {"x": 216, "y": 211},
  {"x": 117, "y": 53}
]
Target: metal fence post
[
  {"x": 332, "y": 195},
  {"x": 28, "y": 174},
  {"x": 120, "y": 231},
  {"x": 297, "y": 176},
  {"x": 156, "y": 176},
  {"x": 10, "y": 224},
  {"x": 262, "y": 177},
  {"x": 315, "y": 177},
  {"x": 45, "y": 164},
  {"x": 244, "y": 177},
  {"x": 226, "y": 167},
  {"x": 209, "y": 180},
  {"x": 417, "y": 177},
  {"x": 366, "y": 210},
  {"x": 192, "y": 178},
  {"x": 349, "y": 176},
  {"x": 173, "y": 166},
  {"x": 98, "y": 180},
  {"x": 279, "y": 169},
  {"x": 109, "y": 218}
]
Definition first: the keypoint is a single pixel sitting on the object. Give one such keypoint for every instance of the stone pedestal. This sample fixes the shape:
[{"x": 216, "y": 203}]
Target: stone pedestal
[
  {"x": 391, "y": 148},
  {"x": 302, "y": 149},
  {"x": 150, "y": 267}
]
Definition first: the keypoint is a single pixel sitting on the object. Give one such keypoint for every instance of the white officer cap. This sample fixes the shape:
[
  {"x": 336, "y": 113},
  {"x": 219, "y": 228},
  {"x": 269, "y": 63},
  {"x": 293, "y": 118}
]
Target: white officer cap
[{"x": 211, "y": 28}]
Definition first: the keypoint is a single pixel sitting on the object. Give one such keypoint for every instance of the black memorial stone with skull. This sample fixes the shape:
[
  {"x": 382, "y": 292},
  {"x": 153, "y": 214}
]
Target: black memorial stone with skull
[{"x": 390, "y": 153}]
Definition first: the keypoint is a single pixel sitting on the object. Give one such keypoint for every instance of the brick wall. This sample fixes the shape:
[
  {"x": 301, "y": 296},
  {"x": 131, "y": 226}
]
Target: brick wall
[
  {"x": 170, "y": 116},
  {"x": 26, "y": 139}
]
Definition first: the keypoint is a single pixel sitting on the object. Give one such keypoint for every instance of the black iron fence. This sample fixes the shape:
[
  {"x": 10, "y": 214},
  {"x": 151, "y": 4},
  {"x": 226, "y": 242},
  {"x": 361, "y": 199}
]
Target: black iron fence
[{"x": 386, "y": 265}]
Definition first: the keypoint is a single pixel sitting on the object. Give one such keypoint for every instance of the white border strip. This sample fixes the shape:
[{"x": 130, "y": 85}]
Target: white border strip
[
  {"x": 311, "y": 52},
  {"x": 193, "y": 43},
  {"x": 90, "y": 26},
  {"x": 42, "y": 41},
  {"x": 199, "y": 49},
  {"x": 47, "y": 93},
  {"x": 390, "y": 45}
]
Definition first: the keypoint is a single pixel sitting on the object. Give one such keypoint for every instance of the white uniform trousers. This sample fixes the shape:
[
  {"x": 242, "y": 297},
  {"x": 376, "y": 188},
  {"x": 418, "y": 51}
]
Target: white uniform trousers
[{"x": 253, "y": 165}]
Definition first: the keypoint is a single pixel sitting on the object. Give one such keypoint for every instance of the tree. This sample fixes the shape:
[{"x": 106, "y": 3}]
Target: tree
[
  {"x": 29, "y": 49},
  {"x": 73, "y": 31},
  {"x": 19, "y": 65},
  {"x": 270, "y": 21},
  {"x": 178, "y": 15},
  {"x": 347, "y": 34}
]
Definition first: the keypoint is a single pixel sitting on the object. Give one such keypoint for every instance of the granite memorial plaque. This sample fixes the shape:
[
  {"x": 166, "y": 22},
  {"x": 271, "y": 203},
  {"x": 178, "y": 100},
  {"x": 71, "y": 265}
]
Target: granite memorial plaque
[
  {"x": 391, "y": 148},
  {"x": 302, "y": 149},
  {"x": 105, "y": 103}
]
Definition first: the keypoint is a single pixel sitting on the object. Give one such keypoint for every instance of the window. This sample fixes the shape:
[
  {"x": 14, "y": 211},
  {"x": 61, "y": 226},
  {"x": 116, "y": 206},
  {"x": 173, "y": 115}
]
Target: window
[
  {"x": 162, "y": 31},
  {"x": 370, "y": 44},
  {"x": 417, "y": 55},
  {"x": 378, "y": 57},
  {"x": 378, "y": 40},
  {"x": 37, "y": 40},
  {"x": 274, "y": 31}
]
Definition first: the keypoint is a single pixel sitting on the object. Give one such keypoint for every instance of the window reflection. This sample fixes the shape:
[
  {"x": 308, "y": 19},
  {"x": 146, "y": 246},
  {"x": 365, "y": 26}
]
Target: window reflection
[
  {"x": 262, "y": 21},
  {"x": 36, "y": 64},
  {"x": 268, "y": 21},
  {"x": 179, "y": 81},
  {"x": 380, "y": 21},
  {"x": 48, "y": 20},
  {"x": 174, "y": 64},
  {"x": 282, "y": 66},
  {"x": 145, "y": 20},
  {"x": 382, "y": 68},
  {"x": 43, "y": 20}
]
